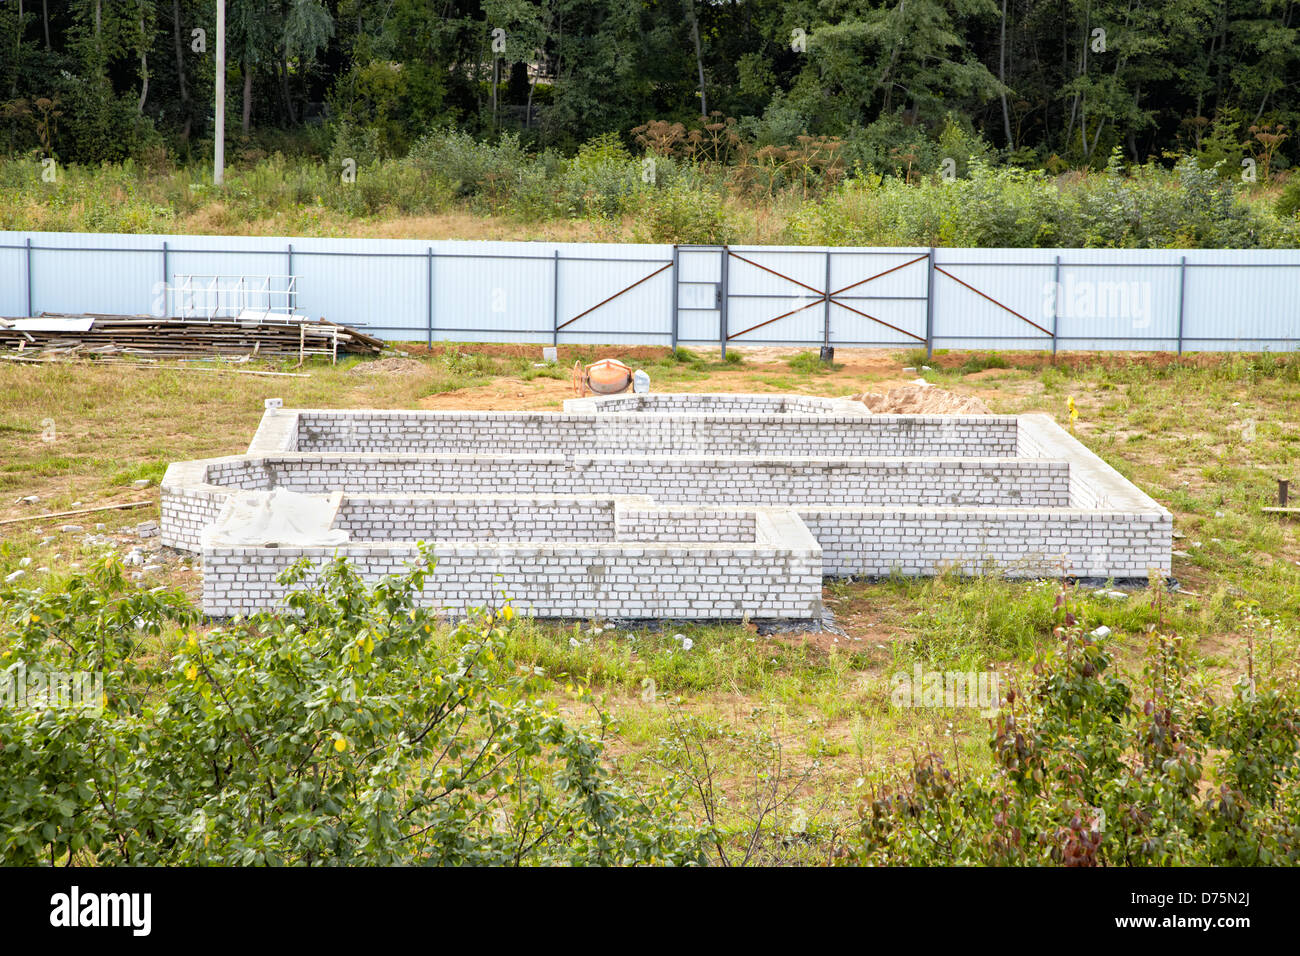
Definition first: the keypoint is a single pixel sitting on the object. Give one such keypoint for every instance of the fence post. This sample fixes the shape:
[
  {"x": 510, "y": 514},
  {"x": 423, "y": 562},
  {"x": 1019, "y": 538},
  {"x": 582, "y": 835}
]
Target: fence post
[
  {"x": 428, "y": 295},
  {"x": 29, "y": 276},
  {"x": 676, "y": 287},
  {"x": 555, "y": 302},
  {"x": 929, "y": 304},
  {"x": 722, "y": 306},
  {"x": 826, "y": 318},
  {"x": 1182, "y": 294},
  {"x": 1056, "y": 304}
]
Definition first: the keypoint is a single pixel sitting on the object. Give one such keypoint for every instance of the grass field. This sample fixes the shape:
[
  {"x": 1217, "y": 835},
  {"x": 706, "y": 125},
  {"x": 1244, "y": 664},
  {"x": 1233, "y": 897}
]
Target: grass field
[{"x": 797, "y": 723}]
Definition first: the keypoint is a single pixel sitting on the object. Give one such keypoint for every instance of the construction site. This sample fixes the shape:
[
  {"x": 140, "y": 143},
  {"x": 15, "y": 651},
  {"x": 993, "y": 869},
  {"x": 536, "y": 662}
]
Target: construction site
[{"x": 700, "y": 506}]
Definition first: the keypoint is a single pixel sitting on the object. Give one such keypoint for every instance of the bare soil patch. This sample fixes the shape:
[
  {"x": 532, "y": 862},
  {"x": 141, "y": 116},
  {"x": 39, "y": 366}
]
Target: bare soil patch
[
  {"x": 391, "y": 366},
  {"x": 921, "y": 400}
]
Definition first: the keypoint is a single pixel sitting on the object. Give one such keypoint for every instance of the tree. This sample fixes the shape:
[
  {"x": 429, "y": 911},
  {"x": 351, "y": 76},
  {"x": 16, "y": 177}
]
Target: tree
[{"x": 343, "y": 732}]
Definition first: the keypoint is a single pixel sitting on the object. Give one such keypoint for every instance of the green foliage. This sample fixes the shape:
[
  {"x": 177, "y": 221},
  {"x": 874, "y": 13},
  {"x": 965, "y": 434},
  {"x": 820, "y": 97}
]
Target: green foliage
[
  {"x": 888, "y": 145},
  {"x": 488, "y": 173},
  {"x": 809, "y": 363},
  {"x": 905, "y": 84},
  {"x": 1010, "y": 207},
  {"x": 686, "y": 215},
  {"x": 1092, "y": 770},
  {"x": 602, "y": 180},
  {"x": 980, "y": 362},
  {"x": 339, "y": 732},
  {"x": 97, "y": 125},
  {"x": 1288, "y": 201}
]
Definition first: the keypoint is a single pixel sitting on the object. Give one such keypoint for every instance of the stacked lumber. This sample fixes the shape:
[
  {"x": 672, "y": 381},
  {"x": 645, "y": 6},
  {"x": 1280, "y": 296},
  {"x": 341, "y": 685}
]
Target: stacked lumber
[{"x": 92, "y": 335}]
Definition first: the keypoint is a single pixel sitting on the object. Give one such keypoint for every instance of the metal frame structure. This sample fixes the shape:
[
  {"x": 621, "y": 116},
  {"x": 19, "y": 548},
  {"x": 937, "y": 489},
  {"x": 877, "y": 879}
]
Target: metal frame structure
[{"x": 214, "y": 296}]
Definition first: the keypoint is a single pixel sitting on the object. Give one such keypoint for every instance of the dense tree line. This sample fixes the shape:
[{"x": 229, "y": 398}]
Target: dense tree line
[{"x": 1055, "y": 83}]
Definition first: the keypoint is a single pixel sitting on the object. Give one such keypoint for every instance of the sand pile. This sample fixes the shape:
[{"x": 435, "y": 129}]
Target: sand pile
[
  {"x": 921, "y": 400},
  {"x": 391, "y": 366}
]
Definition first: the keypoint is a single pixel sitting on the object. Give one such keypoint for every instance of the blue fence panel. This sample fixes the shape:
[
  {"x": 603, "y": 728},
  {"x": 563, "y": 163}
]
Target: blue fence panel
[{"x": 449, "y": 290}]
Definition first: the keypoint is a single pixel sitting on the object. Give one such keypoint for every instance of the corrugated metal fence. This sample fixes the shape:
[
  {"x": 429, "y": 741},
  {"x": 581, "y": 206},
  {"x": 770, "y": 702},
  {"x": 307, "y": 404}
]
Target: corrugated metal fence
[{"x": 412, "y": 290}]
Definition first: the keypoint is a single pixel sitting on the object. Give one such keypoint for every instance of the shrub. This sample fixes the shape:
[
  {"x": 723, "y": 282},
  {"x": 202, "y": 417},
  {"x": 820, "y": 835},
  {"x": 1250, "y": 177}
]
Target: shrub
[
  {"x": 1288, "y": 201},
  {"x": 98, "y": 126},
  {"x": 1093, "y": 771},
  {"x": 890, "y": 146},
  {"x": 472, "y": 168},
  {"x": 342, "y": 731},
  {"x": 602, "y": 180},
  {"x": 683, "y": 214}
]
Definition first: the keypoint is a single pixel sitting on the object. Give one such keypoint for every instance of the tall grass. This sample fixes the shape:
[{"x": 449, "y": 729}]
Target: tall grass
[{"x": 617, "y": 195}]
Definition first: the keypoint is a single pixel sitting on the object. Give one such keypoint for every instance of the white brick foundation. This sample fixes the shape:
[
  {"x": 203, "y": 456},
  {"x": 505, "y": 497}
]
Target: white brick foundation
[{"x": 680, "y": 506}]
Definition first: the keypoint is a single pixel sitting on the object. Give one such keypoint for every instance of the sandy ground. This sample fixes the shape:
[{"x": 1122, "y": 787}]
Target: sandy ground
[{"x": 899, "y": 393}]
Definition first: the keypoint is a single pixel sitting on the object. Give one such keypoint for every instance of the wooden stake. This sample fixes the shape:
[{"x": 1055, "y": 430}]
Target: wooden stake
[{"x": 79, "y": 511}]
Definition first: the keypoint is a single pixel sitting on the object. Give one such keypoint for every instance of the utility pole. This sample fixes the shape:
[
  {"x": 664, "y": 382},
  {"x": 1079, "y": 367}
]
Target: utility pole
[{"x": 219, "y": 142}]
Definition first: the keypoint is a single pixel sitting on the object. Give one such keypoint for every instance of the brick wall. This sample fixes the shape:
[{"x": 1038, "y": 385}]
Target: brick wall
[
  {"x": 1018, "y": 542},
  {"x": 778, "y": 575},
  {"x": 371, "y": 518},
  {"x": 788, "y": 435},
  {"x": 714, "y": 403},
  {"x": 671, "y": 479}
]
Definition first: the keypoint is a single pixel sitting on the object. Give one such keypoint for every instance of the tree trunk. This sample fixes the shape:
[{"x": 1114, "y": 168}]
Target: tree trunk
[
  {"x": 18, "y": 52},
  {"x": 528, "y": 107},
  {"x": 699, "y": 55},
  {"x": 284, "y": 90},
  {"x": 247, "y": 114},
  {"x": 180, "y": 68},
  {"x": 144, "y": 67},
  {"x": 45, "y": 19},
  {"x": 1002, "y": 76}
]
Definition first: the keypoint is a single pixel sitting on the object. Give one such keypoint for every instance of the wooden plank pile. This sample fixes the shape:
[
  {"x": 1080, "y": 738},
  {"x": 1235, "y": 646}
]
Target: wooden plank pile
[{"x": 89, "y": 335}]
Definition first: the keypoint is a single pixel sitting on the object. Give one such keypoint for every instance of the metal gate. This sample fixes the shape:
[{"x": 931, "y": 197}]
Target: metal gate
[
  {"x": 699, "y": 294},
  {"x": 795, "y": 296}
]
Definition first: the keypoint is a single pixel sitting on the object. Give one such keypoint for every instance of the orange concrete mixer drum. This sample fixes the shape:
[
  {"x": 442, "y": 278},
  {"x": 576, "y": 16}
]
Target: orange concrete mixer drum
[{"x": 606, "y": 377}]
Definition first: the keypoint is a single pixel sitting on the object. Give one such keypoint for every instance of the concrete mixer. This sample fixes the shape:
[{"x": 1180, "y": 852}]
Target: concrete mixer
[{"x": 605, "y": 377}]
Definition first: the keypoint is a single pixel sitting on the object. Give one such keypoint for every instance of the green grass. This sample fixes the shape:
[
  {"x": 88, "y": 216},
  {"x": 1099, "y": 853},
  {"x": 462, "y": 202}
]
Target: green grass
[
  {"x": 810, "y": 363},
  {"x": 152, "y": 470},
  {"x": 1172, "y": 427},
  {"x": 982, "y": 362}
]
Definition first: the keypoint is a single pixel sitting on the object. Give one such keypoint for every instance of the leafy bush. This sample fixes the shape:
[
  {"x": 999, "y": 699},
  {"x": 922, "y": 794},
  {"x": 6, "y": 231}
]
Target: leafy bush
[
  {"x": 1092, "y": 771},
  {"x": 98, "y": 126},
  {"x": 891, "y": 146},
  {"x": 1288, "y": 201},
  {"x": 388, "y": 102},
  {"x": 1150, "y": 209},
  {"x": 472, "y": 168},
  {"x": 982, "y": 362},
  {"x": 360, "y": 144},
  {"x": 683, "y": 214},
  {"x": 1008, "y": 207},
  {"x": 341, "y": 732},
  {"x": 602, "y": 180}
]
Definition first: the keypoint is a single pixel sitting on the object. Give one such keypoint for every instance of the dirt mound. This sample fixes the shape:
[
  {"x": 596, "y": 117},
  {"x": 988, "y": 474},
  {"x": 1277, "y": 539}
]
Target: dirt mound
[
  {"x": 921, "y": 400},
  {"x": 391, "y": 366}
]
